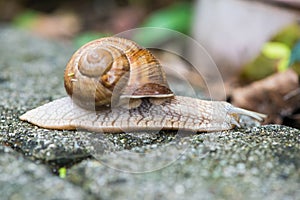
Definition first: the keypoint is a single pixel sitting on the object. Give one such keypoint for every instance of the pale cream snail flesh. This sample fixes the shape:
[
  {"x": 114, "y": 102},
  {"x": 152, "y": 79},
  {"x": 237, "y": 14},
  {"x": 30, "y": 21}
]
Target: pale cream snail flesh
[{"x": 115, "y": 85}]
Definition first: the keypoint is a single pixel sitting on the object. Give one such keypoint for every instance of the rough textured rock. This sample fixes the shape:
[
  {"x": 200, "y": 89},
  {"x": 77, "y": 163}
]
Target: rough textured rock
[
  {"x": 253, "y": 163},
  {"x": 23, "y": 179},
  {"x": 257, "y": 163}
]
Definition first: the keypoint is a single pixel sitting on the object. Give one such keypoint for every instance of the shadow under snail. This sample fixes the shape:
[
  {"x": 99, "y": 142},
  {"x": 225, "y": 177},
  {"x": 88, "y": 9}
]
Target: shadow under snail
[{"x": 115, "y": 85}]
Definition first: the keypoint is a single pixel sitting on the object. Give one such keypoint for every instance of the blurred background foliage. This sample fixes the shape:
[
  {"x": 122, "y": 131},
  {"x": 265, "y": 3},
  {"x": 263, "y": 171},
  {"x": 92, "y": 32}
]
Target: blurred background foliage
[
  {"x": 84, "y": 20},
  {"x": 80, "y": 21}
]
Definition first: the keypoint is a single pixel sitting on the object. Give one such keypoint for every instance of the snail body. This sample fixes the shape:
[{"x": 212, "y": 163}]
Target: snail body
[
  {"x": 114, "y": 85},
  {"x": 178, "y": 113}
]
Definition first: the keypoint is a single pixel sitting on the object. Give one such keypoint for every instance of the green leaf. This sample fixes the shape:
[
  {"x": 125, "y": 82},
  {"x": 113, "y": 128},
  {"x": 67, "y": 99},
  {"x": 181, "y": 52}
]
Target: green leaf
[
  {"x": 274, "y": 57},
  {"x": 25, "y": 19},
  {"x": 62, "y": 172},
  {"x": 177, "y": 17},
  {"x": 278, "y": 51},
  {"x": 289, "y": 35}
]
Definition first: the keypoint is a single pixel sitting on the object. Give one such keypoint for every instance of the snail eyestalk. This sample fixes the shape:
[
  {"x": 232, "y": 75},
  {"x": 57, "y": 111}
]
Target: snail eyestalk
[{"x": 255, "y": 115}]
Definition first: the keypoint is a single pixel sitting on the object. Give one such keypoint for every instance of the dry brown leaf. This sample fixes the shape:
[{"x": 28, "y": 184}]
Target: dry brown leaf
[{"x": 278, "y": 96}]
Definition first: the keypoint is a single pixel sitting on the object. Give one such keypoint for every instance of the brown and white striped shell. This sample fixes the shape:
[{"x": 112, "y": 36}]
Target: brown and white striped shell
[{"x": 109, "y": 70}]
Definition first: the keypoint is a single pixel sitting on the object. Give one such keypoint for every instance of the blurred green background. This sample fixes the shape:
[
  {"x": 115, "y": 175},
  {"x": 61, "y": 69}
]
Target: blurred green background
[{"x": 84, "y": 20}]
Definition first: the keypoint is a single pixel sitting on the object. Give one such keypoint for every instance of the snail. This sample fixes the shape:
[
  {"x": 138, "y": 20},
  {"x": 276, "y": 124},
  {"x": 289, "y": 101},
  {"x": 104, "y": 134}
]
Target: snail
[{"x": 115, "y": 85}]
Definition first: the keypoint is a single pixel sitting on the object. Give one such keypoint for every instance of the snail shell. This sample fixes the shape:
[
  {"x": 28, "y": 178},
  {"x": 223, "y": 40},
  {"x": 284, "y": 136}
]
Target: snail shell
[
  {"x": 109, "y": 69},
  {"x": 112, "y": 69}
]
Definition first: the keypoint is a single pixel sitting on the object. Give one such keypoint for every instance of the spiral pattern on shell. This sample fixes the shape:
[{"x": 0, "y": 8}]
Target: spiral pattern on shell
[{"x": 109, "y": 69}]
